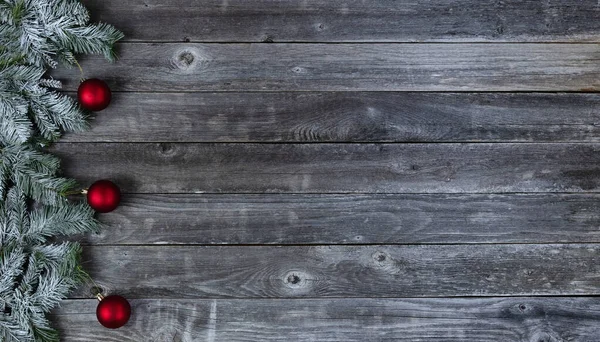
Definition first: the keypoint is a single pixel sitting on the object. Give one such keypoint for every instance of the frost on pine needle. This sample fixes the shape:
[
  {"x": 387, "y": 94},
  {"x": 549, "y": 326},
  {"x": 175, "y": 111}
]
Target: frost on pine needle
[{"x": 36, "y": 275}]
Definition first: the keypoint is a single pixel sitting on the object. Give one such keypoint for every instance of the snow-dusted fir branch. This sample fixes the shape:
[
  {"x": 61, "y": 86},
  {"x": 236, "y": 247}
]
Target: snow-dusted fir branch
[
  {"x": 44, "y": 32},
  {"x": 33, "y": 172},
  {"x": 35, "y": 35},
  {"x": 36, "y": 275}
]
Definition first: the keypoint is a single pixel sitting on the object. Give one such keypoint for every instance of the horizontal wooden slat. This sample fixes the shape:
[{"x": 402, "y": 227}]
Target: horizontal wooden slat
[
  {"x": 346, "y": 116},
  {"x": 359, "y": 320},
  {"x": 351, "y": 20},
  {"x": 343, "y": 271},
  {"x": 350, "y": 219},
  {"x": 335, "y": 168},
  {"x": 181, "y": 67}
]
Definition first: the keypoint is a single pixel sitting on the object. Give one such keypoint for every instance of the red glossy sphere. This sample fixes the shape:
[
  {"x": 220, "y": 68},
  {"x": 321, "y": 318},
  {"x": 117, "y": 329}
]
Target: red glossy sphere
[
  {"x": 94, "y": 94},
  {"x": 113, "y": 311},
  {"x": 103, "y": 196}
]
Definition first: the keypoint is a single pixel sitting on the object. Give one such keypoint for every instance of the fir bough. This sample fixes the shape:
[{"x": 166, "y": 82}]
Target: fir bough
[{"x": 35, "y": 274}]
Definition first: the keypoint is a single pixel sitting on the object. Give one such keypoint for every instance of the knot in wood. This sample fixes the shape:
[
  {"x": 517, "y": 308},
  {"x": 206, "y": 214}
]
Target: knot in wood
[
  {"x": 499, "y": 29},
  {"x": 380, "y": 257},
  {"x": 384, "y": 262},
  {"x": 298, "y": 70},
  {"x": 525, "y": 311},
  {"x": 185, "y": 59},
  {"x": 166, "y": 149},
  {"x": 543, "y": 336},
  {"x": 295, "y": 279},
  {"x": 267, "y": 39}
]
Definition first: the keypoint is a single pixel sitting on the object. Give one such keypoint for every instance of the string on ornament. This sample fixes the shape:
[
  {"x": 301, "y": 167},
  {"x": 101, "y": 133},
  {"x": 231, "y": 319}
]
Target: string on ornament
[
  {"x": 93, "y": 94},
  {"x": 112, "y": 311},
  {"x": 80, "y": 70}
]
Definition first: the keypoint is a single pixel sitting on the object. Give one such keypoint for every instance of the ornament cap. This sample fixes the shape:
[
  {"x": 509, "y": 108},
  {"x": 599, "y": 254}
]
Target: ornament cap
[{"x": 100, "y": 297}]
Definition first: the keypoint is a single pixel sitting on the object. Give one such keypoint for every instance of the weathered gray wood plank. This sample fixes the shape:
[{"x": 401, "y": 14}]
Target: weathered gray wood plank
[
  {"x": 351, "y": 21},
  {"x": 359, "y": 320},
  {"x": 335, "y": 168},
  {"x": 344, "y": 271},
  {"x": 350, "y": 219},
  {"x": 181, "y": 67},
  {"x": 346, "y": 116}
]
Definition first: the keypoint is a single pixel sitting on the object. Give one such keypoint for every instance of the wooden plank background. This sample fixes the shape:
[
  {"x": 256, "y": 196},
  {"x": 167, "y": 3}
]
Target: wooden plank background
[
  {"x": 345, "y": 171},
  {"x": 337, "y": 168},
  {"x": 367, "y": 319},
  {"x": 188, "y": 67},
  {"x": 346, "y": 271},
  {"x": 352, "y": 20},
  {"x": 346, "y": 117},
  {"x": 318, "y": 219}
]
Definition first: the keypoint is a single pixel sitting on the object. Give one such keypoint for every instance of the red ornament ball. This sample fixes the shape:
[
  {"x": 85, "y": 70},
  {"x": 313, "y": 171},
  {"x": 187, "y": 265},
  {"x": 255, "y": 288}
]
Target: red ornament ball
[
  {"x": 113, "y": 311},
  {"x": 93, "y": 94},
  {"x": 103, "y": 196}
]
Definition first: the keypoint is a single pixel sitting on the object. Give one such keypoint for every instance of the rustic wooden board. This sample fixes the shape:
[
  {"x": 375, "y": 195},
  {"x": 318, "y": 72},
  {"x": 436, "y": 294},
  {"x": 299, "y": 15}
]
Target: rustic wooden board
[
  {"x": 439, "y": 320},
  {"x": 344, "y": 271},
  {"x": 350, "y": 219},
  {"x": 346, "y": 116},
  {"x": 335, "y": 168},
  {"x": 263, "y": 183},
  {"x": 351, "y": 20},
  {"x": 189, "y": 67}
]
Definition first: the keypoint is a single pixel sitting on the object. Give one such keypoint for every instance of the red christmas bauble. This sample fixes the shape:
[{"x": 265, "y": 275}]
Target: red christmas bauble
[
  {"x": 93, "y": 94},
  {"x": 103, "y": 196},
  {"x": 113, "y": 311}
]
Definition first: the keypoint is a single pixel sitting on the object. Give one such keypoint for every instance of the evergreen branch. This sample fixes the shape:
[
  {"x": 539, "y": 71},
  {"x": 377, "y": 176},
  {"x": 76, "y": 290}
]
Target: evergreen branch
[
  {"x": 28, "y": 157},
  {"x": 62, "y": 274},
  {"x": 4, "y": 180},
  {"x": 42, "y": 188},
  {"x": 15, "y": 126},
  {"x": 35, "y": 276},
  {"x": 11, "y": 331},
  {"x": 70, "y": 219},
  {"x": 35, "y": 173},
  {"x": 11, "y": 266},
  {"x": 16, "y": 211},
  {"x": 93, "y": 39}
]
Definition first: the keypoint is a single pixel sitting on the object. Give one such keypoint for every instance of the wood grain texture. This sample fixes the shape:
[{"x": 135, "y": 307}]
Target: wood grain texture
[
  {"x": 353, "y": 320},
  {"x": 190, "y": 67},
  {"x": 344, "y": 271},
  {"x": 335, "y": 168},
  {"x": 350, "y": 219},
  {"x": 320, "y": 191},
  {"x": 351, "y": 21},
  {"x": 346, "y": 116}
]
